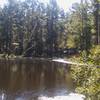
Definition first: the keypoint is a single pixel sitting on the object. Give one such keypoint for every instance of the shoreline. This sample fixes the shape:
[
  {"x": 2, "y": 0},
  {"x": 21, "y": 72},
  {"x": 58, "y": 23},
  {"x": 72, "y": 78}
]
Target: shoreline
[{"x": 54, "y": 59}]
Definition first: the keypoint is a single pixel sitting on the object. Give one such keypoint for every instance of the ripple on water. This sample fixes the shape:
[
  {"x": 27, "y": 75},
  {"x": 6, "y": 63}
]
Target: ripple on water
[{"x": 71, "y": 96}]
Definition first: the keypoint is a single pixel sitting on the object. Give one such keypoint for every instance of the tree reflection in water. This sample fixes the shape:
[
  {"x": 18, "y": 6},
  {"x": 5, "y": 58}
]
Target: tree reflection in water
[{"x": 30, "y": 78}]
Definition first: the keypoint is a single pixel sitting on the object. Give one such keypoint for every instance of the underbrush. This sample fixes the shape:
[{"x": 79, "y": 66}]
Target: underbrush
[{"x": 87, "y": 78}]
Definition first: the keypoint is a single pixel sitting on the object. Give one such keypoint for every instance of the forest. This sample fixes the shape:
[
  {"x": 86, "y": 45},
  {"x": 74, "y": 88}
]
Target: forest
[
  {"x": 34, "y": 29},
  {"x": 30, "y": 28}
]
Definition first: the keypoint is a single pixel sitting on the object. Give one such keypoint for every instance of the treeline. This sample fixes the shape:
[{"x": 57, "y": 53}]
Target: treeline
[{"x": 32, "y": 28}]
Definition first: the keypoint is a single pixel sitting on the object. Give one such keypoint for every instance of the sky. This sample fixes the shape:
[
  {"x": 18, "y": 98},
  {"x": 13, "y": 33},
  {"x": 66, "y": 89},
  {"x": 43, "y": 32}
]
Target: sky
[{"x": 64, "y": 4}]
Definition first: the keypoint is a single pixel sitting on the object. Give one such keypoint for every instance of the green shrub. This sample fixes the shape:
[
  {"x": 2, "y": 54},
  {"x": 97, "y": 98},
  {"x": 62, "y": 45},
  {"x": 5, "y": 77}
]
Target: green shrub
[{"x": 87, "y": 78}]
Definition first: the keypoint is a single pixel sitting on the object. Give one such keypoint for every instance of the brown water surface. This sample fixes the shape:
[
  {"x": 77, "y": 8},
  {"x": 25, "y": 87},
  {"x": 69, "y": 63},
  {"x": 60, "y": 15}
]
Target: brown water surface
[{"x": 27, "y": 79}]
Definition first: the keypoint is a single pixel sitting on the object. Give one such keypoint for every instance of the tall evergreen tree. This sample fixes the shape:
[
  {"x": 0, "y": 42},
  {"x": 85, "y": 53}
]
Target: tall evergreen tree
[
  {"x": 96, "y": 4},
  {"x": 51, "y": 27}
]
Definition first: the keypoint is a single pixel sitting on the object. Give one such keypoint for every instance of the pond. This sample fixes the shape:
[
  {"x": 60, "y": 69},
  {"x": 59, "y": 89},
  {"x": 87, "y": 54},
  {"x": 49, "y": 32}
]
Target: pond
[{"x": 35, "y": 79}]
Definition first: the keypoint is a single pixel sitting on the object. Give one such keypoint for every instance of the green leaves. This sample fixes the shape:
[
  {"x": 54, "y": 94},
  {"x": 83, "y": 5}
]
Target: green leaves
[{"x": 87, "y": 78}]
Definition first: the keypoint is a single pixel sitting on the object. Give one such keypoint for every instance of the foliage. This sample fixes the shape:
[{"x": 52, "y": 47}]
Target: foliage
[
  {"x": 94, "y": 56},
  {"x": 87, "y": 77},
  {"x": 87, "y": 81},
  {"x": 31, "y": 28}
]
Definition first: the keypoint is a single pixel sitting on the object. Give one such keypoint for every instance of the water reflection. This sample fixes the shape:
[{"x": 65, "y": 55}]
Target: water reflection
[{"x": 30, "y": 78}]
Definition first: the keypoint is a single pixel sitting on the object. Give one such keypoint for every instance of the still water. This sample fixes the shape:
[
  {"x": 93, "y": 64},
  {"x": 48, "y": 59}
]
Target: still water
[{"x": 35, "y": 79}]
